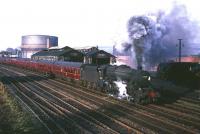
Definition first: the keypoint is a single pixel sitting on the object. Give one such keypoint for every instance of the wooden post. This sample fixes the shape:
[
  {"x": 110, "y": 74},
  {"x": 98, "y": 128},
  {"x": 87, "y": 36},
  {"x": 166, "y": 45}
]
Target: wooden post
[
  {"x": 0, "y": 85},
  {"x": 2, "y": 88}
]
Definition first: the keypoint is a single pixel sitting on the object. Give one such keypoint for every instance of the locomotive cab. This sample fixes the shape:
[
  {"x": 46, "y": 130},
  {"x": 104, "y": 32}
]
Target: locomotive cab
[{"x": 140, "y": 89}]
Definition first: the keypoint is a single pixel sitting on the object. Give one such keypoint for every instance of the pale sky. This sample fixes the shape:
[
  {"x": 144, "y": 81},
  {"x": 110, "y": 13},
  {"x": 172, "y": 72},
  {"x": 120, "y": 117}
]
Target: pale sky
[{"x": 77, "y": 23}]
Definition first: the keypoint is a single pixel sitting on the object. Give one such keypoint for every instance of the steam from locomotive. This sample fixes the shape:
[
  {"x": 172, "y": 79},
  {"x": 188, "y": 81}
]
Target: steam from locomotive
[
  {"x": 122, "y": 89},
  {"x": 154, "y": 37}
]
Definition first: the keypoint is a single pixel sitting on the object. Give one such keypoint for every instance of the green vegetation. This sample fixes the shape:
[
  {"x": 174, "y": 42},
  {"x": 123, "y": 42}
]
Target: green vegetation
[{"x": 14, "y": 119}]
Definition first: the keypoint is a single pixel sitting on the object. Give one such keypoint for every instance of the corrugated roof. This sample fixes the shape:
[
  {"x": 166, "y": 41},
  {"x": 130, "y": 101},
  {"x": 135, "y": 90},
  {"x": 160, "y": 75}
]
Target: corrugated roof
[
  {"x": 51, "y": 53},
  {"x": 65, "y": 50},
  {"x": 95, "y": 52},
  {"x": 54, "y": 52}
]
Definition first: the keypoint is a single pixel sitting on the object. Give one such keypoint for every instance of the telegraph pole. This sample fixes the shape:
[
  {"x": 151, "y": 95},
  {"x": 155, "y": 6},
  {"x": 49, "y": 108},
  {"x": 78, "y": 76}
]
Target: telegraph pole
[{"x": 179, "y": 49}]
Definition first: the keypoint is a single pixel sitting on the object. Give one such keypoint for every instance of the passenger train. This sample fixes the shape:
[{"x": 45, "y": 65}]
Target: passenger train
[{"x": 98, "y": 77}]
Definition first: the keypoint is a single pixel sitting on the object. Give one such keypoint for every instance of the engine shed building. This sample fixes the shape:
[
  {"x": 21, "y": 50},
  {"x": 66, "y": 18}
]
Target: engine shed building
[
  {"x": 63, "y": 54},
  {"x": 90, "y": 56},
  {"x": 99, "y": 57}
]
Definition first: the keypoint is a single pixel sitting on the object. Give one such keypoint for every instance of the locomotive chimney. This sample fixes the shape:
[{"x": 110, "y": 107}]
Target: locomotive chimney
[{"x": 139, "y": 67}]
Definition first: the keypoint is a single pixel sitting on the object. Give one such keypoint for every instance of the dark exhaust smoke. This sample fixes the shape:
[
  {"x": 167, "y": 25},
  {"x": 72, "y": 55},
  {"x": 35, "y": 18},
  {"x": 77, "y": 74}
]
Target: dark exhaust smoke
[{"x": 154, "y": 37}]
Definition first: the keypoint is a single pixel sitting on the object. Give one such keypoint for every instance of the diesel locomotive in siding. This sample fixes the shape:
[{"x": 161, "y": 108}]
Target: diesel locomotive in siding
[{"x": 99, "y": 77}]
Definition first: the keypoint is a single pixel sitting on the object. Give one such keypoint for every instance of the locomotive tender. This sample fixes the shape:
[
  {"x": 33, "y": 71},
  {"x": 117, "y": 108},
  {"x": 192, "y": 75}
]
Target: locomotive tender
[{"x": 99, "y": 77}]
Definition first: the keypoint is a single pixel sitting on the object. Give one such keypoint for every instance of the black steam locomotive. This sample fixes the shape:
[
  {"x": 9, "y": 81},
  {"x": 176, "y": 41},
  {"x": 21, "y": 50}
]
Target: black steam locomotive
[{"x": 105, "y": 77}]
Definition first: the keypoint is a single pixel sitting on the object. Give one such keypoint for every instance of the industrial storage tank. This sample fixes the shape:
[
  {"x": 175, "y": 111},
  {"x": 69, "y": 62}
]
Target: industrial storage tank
[{"x": 34, "y": 43}]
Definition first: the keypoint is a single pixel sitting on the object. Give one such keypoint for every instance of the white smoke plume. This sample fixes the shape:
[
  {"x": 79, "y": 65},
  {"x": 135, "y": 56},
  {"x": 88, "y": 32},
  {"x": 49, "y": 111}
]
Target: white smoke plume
[{"x": 154, "y": 37}]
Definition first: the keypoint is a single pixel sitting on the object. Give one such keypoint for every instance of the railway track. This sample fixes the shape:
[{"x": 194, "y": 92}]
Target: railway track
[
  {"x": 120, "y": 127},
  {"x": 130, "y": 122},
  {"x": 146, "y": 115},
  {"x": 38, "y": 113},
  {"x": 114, "y": 115},
  {"x": 51, "y": 107}
]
